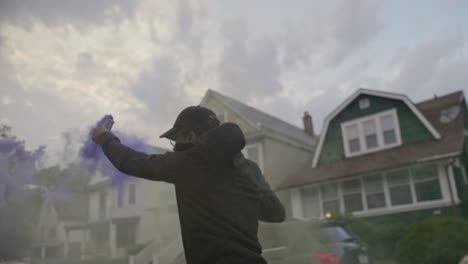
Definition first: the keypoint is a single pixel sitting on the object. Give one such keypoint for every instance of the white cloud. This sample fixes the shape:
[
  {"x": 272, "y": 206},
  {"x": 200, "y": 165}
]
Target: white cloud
[{"x": 144, "y": 61}]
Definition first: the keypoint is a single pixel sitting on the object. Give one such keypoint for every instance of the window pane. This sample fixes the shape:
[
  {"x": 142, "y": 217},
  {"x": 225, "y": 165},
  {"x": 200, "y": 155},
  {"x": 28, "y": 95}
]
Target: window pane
[
  {"x": 352, "y": 131},
  {"x": 120, "y": 195},
  {"x": 400, "y": 195},
  {"x": 329, "y": 191},
  {"x": 373, "y": 184},
  {"x": 331, "y": 206},
  {"x": 387, "y": 122},
  {"x": 354, "y": 145},
  {"x": 376, "y": 200},
  {"x": 310, "y": 202},
  {"x": 398, "y": 177},
  {"x": 353, "y": 202},
  {"x": 370, "y": 133},
  {"x": 389, "y": 137},
  {"x": 428, "y": 190},
  {"x": 388, "y": 127},
  {"x": 351, "y": 186},
  {"x": 371, "y": 141},
  {"x": 422, "y": 173}
]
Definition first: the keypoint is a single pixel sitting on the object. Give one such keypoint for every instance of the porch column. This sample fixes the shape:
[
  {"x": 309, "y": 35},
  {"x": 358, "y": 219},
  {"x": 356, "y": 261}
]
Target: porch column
[
  {"x": 42, "y": 252},
  {"x": 112, "y": 242},
  {"x": 65, "y": 245}
]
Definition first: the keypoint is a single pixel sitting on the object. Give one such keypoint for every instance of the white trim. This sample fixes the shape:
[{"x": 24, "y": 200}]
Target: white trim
[
  {"x": 273, "y": 249},
  {"x": 463, "y": 171},
  {"x": 363, "y": 194},
  {"x": 413, "y": 188},
  {"x": 453, "y": 185},
  {"x": 402, "y": 97},
  {"x": 448, "y": 155},
  {"x": 405, "y": 208},
  {"x": 379, "y": 133}
]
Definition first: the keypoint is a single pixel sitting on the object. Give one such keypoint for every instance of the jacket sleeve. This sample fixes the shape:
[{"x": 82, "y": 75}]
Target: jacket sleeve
[
  {"x": 138, "y": 164},
  {"x": 271, "y": 208}
]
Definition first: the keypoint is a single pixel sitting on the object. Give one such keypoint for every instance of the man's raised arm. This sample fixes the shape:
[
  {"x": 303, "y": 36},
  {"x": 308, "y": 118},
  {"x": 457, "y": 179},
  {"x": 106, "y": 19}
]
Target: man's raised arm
[{"x": 152, "y": 167}]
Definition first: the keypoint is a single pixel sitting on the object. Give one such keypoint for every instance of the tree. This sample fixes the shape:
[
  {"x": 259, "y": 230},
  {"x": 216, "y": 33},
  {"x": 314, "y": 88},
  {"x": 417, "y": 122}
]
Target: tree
[{"x": 21, "y": 206}]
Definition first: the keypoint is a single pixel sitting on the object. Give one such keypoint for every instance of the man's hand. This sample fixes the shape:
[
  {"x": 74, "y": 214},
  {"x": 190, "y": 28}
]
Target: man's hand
[{"x": 97, "y": 132}]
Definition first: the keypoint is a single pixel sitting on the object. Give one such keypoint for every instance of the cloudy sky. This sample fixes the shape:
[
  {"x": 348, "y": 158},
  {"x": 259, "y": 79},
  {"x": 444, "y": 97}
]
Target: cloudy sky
[{"x": 65, "y": 63}]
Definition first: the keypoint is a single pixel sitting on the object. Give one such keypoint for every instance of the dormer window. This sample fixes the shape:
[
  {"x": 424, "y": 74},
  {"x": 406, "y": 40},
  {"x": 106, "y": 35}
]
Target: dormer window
[{"x": 372, "y": 133}]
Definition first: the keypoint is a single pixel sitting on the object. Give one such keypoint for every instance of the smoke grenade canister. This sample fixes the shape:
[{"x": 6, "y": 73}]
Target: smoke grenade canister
[{"x": 109, "y": 122}]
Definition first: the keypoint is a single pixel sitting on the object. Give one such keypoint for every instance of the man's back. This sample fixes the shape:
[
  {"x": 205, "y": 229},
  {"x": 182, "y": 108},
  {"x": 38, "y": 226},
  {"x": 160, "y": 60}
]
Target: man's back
[
  {"x": 219, "y": 211},
  {"x": 220, "y": 194}
]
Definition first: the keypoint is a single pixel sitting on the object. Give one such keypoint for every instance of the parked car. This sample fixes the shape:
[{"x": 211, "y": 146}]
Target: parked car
[{"x": 312, "y": 242}]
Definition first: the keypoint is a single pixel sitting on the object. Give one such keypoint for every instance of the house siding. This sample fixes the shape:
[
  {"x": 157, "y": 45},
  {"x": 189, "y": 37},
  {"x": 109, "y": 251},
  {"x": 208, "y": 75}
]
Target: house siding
[
  {"x": 281, "y": 160},
  {"x": 412, "y": 129}
]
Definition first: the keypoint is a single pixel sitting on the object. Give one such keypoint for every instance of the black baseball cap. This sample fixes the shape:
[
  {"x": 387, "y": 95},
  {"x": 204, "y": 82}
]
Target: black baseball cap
[{"x": 195, "y": 118}]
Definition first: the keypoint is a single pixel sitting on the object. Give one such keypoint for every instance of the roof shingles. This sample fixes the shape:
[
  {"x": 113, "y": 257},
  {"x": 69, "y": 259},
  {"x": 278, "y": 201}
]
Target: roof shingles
[{"x": 262, "y": 119}]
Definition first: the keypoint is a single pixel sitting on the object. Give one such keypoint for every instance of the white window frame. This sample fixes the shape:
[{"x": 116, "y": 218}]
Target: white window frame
[
  {"x": 297, "y": 201},
  {"x": 260, "y": 153},
  {"x": 380, "y": 141}
]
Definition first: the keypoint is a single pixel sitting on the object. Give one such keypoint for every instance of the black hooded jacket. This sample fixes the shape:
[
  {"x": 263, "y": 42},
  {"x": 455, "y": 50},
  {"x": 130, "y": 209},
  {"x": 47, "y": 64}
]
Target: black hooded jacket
[{"x": 220, "y": 194}]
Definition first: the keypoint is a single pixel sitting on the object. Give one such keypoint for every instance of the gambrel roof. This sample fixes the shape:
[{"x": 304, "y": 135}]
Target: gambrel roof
[
  {"x": 359, "y": 92},
  {"x": 449, "y": 143}
]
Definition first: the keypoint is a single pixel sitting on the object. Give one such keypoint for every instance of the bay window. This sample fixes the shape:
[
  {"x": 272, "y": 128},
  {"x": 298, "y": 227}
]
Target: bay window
[{"x": 395, "y": 189}]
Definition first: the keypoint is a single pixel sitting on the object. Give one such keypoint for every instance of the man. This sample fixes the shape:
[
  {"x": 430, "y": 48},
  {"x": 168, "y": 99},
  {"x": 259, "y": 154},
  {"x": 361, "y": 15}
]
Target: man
[{"x": 220, "y": 194}]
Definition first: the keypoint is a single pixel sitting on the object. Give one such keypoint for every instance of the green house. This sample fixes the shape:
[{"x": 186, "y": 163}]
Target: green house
[{"x": 381, "y": 154}]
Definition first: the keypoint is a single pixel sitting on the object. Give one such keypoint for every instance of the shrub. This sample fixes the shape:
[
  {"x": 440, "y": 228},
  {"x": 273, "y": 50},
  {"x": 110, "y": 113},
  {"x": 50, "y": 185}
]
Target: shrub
[{"x": 438, "y": 240}]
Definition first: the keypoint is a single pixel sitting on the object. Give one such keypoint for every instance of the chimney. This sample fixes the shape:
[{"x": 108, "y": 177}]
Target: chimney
[{"x": 308, "y": 125}]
